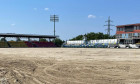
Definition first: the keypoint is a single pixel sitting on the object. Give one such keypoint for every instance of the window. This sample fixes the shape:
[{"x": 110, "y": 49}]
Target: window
[
  {"x": 120, "y": 35},
  {"x": 126, "y": 35},
  {"x": 138, "y": 27},
  {"x": 130, "y": 35},
  {"x": 116, "y": 35},
  {"x": 123, "y": 29},
  {"x": 136, "y": 34},
  {"x": 135, "y": 27},
  {"x": 119, "y": 29},
  {"x": 133, "y": 34},
  {"x": 129, "y": 29},
  {"x": 123, "y": 35},
  {"x": 139, "y": 34}
]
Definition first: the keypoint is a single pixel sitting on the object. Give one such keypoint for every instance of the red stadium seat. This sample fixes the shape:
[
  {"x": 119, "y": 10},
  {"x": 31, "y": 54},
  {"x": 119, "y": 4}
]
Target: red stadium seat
[{"x": 40, "y": 44}]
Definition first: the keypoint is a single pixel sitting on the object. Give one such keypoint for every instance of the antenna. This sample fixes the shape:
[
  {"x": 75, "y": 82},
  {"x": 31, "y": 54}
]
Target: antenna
[
  {"x": 109, "y": 25},
  {"x": 54, "y": 18}
]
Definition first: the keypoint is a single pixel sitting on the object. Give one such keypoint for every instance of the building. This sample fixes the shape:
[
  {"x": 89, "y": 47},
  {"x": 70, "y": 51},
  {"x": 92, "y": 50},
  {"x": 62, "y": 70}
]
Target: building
[{"x": 128, "y": 34}]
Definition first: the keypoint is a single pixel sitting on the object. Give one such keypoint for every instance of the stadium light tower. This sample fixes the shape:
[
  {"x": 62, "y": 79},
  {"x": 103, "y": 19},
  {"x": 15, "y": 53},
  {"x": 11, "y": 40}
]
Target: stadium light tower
[
  {"x": 54, "y": 18},
  {"x": 109, "y": 26}
]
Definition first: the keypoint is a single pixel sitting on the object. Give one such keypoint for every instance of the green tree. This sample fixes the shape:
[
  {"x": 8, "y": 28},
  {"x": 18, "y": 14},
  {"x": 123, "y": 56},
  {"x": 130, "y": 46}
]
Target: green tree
[
  {"x": 18, "y": 39},
  {"x": 94, "y": 36},
  {"x": 2, "y": 39},
  {"x": 43, "y": 40},
  {"x": 58, "y": 42},
  {"x": 80, "y": 37}
]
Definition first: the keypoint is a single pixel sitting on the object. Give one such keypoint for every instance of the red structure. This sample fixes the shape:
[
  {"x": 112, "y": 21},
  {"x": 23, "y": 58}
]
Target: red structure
[
  {"x": 43, "y": 44},
  {"x": 128, "y": 34}
]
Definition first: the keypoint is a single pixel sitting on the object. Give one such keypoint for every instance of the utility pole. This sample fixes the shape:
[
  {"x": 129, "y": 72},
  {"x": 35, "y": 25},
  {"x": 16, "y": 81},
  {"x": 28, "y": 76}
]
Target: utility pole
[
  {"x": 109, "y": 25},
  {"x": 54, "y": 18}
]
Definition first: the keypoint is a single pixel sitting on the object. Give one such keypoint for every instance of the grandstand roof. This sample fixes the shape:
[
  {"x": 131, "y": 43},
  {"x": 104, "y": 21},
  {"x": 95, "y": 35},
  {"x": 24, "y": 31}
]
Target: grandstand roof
[{"x": 26, "y": 35}]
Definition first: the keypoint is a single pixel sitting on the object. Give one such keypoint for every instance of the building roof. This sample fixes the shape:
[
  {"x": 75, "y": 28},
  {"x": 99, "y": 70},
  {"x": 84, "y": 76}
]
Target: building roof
[
  {"x": 26, "y": 35},
  {"x": 119, "y": 26}
]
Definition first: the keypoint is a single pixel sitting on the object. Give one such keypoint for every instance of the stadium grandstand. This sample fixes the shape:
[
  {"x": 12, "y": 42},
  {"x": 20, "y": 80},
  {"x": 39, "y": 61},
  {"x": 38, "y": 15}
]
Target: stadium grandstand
[{"x": 27, "y": 42}]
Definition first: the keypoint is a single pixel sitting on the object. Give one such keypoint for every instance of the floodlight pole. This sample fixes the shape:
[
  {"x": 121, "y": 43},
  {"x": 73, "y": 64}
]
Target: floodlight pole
[
  {"x": 54, "y": 18},
  {"x": 54, "y": 25}
]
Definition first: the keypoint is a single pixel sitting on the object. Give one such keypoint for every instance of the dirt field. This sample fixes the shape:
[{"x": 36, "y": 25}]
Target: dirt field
[{"x": 69, "y": 66}]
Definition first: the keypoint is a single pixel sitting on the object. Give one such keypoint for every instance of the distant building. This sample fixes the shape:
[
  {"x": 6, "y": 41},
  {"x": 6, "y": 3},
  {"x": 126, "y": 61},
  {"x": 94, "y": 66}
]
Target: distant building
[{"x": 128, "y": 34}]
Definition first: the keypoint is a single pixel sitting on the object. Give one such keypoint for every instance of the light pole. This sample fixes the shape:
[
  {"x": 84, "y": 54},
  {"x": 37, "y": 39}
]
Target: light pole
[{"x": 54, "y": 18}]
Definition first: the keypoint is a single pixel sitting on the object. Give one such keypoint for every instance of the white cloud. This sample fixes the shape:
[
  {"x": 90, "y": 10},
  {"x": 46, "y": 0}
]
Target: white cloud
[
  {"x": 91, "y": 16},
  {"x": 35, "y": 8},
  {"x": 13, "y": 24},
  {"x": 46, "y": 9}
]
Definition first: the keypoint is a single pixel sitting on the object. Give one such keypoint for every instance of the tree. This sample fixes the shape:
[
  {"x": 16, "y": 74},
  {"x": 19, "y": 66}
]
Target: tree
[
  {"x": 94, "y": 36},
  {"x": 2, "y": 39},
  {"x": 58, "y": 42},
  {"x": 18, "y": 39},
  {"x": 43, "y": 40},
  {"x": 113, "y": 37},
  {"x": 80, "y": 37}
]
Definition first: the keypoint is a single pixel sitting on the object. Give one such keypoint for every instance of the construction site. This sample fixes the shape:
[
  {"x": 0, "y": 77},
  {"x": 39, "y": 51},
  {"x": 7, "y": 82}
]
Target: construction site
[
  {"x": 80, "y": 50},
  {"x": 69, "y": 66},
  {"x": 32, "y": 61}
]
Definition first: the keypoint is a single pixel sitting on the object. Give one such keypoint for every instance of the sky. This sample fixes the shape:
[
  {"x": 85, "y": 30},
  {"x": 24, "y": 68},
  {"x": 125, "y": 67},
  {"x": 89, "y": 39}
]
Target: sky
[{"x": 76, "y": 16}]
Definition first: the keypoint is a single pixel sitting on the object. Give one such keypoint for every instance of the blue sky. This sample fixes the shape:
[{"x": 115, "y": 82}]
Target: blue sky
[{"x": 76, "y": 16}]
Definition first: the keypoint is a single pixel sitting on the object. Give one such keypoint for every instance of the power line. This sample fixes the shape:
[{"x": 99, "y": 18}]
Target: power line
[{"x": 109, "y": 25}]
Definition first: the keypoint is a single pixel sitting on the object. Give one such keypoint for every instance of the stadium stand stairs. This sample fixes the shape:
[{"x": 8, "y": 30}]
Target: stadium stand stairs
[{"x": 8, "y": 44}]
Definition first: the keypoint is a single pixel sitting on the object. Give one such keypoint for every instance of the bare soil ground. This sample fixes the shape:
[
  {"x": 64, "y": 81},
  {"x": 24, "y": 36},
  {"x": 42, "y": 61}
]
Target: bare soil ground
[{"x": 69, "y": 66}]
